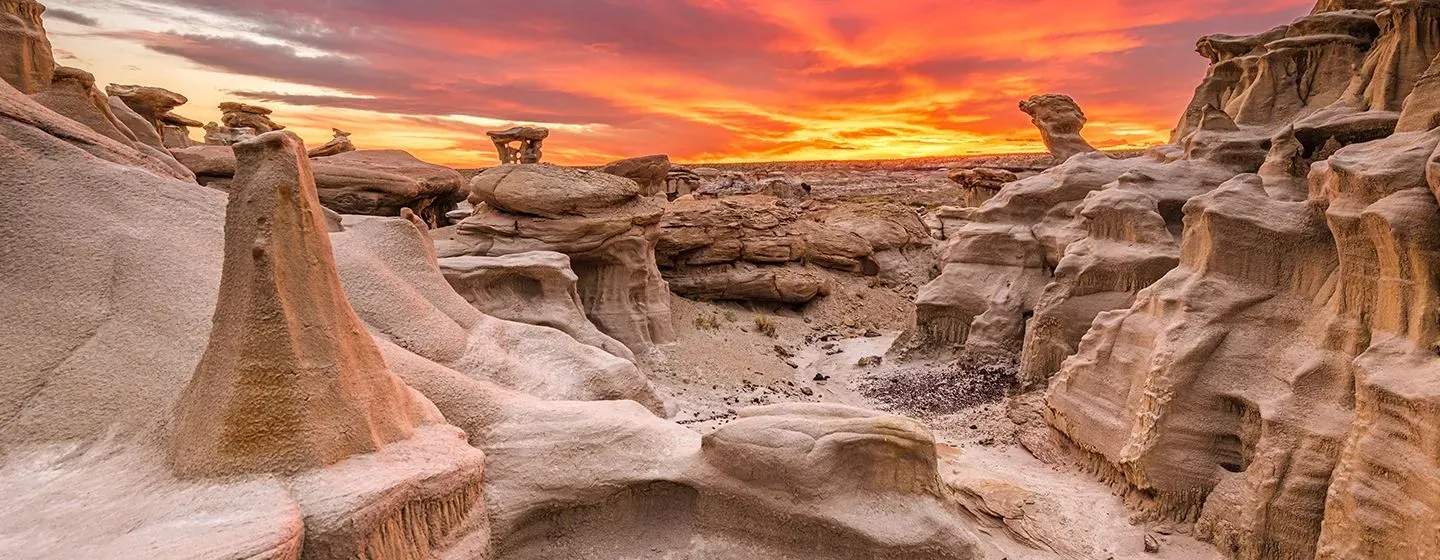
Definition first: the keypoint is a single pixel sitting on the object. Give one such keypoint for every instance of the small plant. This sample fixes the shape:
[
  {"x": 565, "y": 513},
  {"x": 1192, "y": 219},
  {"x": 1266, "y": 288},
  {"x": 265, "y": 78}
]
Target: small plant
[
  {"x": 765, "y": 326},
  {"x": 875, "y": 283},
  {"x": 710, "y": 323},
  {"x": 808, "y": 258},
  {"x": 730, "y": 316}
]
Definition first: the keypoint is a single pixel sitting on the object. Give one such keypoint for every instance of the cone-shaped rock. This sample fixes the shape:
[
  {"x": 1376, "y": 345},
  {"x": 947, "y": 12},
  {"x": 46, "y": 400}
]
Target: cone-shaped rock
[{"x": 290, "y": 380}]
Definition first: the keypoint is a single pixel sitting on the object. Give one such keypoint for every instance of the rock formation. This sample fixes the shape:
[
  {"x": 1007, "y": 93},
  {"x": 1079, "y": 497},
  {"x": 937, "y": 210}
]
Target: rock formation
[
  {"x": 117, "y": 444},
  {"x": 72, "y": 93},
  {"x": 738, "y": 183},
  {"x": 26, "y": 61},
  {"x": 601, "y": 221},
  {"x": 244, "y": 115},
  {"x": 155, "y": 105},
  {"x": 1421, "y": 111},
  {"x": 1059, "y": 120},
  {"x": 217, "y": 134},
  {"x": 650, "y": 172},
  {"x": 537, "y": 288},
  {"x": 981, "y": 183},
  {"x": 336, "y": 146},
  {"x": 759, "y": 248},
  {"x": 680, "y": 182},
  {"x": 368, "y": 182},
  {"x": 290, "y": 380},
  {"x": 1239, "y": 325},
  {"x": 521, "y": 144}
]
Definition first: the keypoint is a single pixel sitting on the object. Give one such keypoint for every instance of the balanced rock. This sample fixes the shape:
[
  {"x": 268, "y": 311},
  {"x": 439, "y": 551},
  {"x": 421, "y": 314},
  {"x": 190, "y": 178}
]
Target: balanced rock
[
  {"x": 650, "y": 172},
  {"x": 26, "y": 60},
  {"x": 521, "y": 144},
  {"x": 245, "y": 115},
  {"x": 1059, "y": 119},
  {"x": 680, "y": 182},
  {"x": 336, "y": 146}
]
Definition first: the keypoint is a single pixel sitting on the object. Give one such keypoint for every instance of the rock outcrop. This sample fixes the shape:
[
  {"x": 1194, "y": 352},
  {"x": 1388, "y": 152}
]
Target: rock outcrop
[
  {"x": 1243, "y": 323},
  {"x": 155, "y": 105},
  {"x": 291, "y": 380},
  {"x": 244, "y": 115},
  {"x": 981, "y": 184},
  {"x": 217, "y": 134},
  {"x": 650, "y": 172},
  {"x": 601, "y": 221},
  {"x": 1060, "y": 120},
  {"x": 365, "y": 182},
  {"x": 537, "y": 288},
  {"x": 338, "y": 145},
  {"x": 760, "y": 248},
  {"x": 26, "y": 60}
]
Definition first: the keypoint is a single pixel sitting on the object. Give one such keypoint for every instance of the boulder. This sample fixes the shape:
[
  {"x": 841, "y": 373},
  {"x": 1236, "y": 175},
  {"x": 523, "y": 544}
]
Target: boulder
[
  {"x": 549, "y": 191},
  {"x": 650, "y": 172}
]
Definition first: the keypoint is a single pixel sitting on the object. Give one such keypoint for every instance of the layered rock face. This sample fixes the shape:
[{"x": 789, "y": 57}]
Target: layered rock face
[
  {"x": 366, "y": 182},
  {"x": 1266, "y": 366},
  {"x": 1241, "y": 322},
  {"x": 981, "y": 184},
  {"x": 26, "y": 60},
  {"x": 601, "y": 221},
  {"x": 760, "y": 248},
  {"x": 236, "y": 115}
]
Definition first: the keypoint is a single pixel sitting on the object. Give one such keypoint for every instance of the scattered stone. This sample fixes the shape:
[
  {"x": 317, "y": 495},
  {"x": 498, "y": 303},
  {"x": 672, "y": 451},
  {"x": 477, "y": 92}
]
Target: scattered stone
[
  {"x": 869, "y": 361},
  {"x": 1152, "y": 545}
]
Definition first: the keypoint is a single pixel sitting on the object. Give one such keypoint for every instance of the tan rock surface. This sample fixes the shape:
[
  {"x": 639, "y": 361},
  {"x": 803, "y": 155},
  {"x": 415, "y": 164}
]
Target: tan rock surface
[
  {"x": 143, "y": 131},
  {"x": 290, "y": 380},
  {"x": 338, "y": 145},
  {"x": 550, "y": 191},
  {"x": 537, "y": 288}
]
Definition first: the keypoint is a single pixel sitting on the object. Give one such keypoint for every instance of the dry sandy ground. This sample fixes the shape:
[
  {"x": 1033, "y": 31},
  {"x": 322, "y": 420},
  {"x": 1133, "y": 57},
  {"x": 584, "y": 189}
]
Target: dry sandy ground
[{"x": 724, "y": 361}]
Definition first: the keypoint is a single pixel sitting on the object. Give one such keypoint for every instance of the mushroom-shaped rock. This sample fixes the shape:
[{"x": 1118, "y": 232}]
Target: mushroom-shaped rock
[
  {"x": 1060, "y": 120},
  {"x": 521, "y": 144},
  {"x": 152, "y": 103},
  {"x": 336, "y": 146},
  {"x": 291, "y": 379},
  {"x": 550, "y": 191},
  {"x": 26, "y": 60},
  {"x": 650, "y": 172},
  {"x": 245, "y": 115}
]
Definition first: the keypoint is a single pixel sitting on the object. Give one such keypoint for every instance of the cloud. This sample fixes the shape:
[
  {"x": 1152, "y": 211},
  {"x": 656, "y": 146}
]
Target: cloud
[
  {"x": 72, "y": 17},
  {"x": 720, "y": 79}
]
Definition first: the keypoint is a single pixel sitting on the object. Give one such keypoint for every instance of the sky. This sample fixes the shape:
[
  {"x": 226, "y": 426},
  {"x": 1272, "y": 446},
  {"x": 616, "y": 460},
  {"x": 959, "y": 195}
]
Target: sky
[{"x": 700, "y": 80}]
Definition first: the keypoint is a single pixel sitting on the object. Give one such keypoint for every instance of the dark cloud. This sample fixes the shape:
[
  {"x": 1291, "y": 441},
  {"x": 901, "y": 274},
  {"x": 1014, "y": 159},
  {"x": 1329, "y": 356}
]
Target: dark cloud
[{"x": 72, "y": 17}]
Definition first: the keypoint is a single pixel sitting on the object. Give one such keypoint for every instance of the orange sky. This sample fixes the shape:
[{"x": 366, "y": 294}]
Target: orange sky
[{"x": 701, "y": 80}]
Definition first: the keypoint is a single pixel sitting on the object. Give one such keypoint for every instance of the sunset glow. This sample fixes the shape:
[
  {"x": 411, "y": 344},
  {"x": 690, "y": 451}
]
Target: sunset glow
[{"x": 701, "y": 80}]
